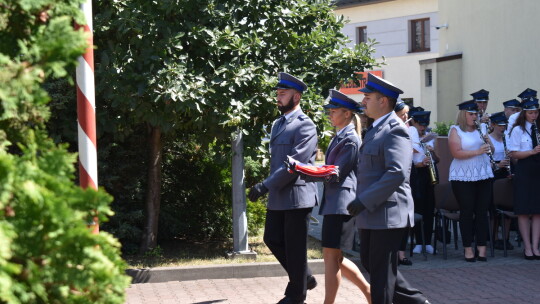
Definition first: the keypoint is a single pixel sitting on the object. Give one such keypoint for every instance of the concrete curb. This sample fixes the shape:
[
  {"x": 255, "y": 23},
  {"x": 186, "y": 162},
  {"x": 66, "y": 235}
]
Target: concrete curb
[{"x": 209, "y": 272}]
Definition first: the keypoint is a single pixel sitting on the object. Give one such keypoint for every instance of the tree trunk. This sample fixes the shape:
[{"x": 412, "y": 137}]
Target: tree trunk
[{"x": 153, "y": 195}]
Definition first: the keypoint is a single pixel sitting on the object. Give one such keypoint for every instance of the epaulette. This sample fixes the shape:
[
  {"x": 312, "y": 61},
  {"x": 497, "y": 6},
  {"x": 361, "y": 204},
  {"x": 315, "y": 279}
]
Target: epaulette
[
  {"x": 302, "y": 117},
  {"x": 393, "y": 123}
]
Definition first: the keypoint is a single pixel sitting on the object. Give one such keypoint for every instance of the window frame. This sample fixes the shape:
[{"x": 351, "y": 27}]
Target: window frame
[
  {"x": 425, "y": 45},
  {"x": 363, "y": 30}
]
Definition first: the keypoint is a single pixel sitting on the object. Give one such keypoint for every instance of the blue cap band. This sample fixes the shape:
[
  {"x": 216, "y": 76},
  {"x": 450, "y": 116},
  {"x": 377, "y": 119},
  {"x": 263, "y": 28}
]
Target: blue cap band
[
  {"x": 344, "y": 103},
  {"x": 292, "y": 84},
  {"x": 382, "y": 89}
]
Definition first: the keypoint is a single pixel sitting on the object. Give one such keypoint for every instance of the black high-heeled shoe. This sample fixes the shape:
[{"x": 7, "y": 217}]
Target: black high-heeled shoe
[
  {"x": 528, "y": 257},
  {"x": 481, "y": 259},
  {"x": 470, "y": 260}
]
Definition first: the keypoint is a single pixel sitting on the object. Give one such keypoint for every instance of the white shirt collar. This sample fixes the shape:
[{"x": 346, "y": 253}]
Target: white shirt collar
[{"x": 376, "y": 122}]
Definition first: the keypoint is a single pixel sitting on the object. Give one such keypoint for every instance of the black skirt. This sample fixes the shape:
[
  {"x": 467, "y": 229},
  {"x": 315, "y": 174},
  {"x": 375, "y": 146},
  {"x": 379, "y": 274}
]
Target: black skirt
[{"x": 526, "y": 182}]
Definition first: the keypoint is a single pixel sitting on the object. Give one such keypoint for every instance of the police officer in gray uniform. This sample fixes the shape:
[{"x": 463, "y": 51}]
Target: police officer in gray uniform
[
  {"x": 291, "y": 199},
  {"x": 384, "y": 204},
  {"x": 338, "y": 226}
]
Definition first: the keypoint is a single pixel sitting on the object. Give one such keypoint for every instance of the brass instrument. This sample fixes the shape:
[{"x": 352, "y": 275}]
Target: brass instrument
[
  {"x": 431, "y": 166},
  {"x": 489, "y": 153},
  {"x": 506, "y": 156}
]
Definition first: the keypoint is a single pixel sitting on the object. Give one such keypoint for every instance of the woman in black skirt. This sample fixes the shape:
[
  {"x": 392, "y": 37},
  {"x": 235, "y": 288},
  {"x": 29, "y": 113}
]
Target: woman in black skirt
[
  {"x": 523, "y": 144},
  {"x": 338, "y": 226}
]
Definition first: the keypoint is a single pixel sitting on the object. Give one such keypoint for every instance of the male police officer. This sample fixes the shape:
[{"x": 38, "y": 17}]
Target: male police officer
[
  {"x": 384, "y": 203},
  {"x": 290, "y": 199}
]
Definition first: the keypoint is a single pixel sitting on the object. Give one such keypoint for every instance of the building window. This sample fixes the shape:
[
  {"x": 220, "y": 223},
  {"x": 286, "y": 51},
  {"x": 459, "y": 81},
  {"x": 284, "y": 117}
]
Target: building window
[
  {"x": 419, "y": 35},
  {"x": 361, "y": 34},
  {"x": 429, "y": 79}
]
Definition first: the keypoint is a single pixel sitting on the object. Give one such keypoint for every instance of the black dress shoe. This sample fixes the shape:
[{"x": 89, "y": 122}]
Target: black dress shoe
[
  {"x": 288, "y": 300},
  {"x": 311, "y": 282},
  {"x": 405, "y": 262},
  {"x": 528, "y": 257}
]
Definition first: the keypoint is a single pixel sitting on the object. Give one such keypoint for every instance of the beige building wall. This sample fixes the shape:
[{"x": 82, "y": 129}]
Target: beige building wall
[
  {"x": 389, "y": 20},
  {"x": 500, "y": 43},
  {"x": 387, "y": 10}
]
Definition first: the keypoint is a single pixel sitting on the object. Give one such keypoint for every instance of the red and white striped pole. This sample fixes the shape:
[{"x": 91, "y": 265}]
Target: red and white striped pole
[{"x": 86, "y": 110}]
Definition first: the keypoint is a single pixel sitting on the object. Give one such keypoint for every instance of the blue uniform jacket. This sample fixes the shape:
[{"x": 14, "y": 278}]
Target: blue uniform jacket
[
  {"x": 344, "y": 153},
  {"x": 297, "y": 137}
]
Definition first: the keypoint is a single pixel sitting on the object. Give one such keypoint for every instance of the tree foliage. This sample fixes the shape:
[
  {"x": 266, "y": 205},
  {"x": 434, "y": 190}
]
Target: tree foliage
[
  {"x": 48, "y": 254},
  {"x": 206, "y": 69},
  {"x": 209, "y": 66}
]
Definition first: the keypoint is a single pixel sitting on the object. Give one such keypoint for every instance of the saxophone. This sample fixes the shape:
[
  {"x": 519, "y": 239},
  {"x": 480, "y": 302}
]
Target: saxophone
[
  {"x": 431, "y": 166},
  {"x": 490, "y": 153}
]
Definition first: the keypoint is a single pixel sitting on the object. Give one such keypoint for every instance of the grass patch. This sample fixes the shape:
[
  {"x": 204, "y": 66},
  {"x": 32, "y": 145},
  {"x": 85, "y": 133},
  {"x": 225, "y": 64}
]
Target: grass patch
[{"x": 184, "y": 253}]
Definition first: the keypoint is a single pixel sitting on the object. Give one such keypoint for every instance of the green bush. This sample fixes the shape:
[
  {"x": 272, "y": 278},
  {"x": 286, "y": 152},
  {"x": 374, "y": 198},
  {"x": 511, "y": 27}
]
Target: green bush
[
  {"x": 47, "y": 253},
  {"x": 196, "y": 202},
  {"x": 442, "y": 128}
]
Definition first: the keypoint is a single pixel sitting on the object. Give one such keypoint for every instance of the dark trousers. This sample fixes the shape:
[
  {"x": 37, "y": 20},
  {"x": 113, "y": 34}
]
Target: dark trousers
[
  {"x": 378, "y": 254},
  {"x": 285, "y": 234},
  {"x": 474, "y": 199},
  {"x": 424, "y": 203}
]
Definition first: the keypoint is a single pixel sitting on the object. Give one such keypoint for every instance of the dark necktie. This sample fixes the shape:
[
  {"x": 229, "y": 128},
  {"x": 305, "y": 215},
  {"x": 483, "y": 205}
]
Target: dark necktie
[
  {"x": 278, "y": 125},
  {"x": 533, "y": 136}
]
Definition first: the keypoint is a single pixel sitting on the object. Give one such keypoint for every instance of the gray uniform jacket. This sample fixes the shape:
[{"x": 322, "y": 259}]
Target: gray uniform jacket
[
  {"x": 342, "y": 152},
  {"x": 297, "y": 137},
  {"x": 383, "y": 173}
]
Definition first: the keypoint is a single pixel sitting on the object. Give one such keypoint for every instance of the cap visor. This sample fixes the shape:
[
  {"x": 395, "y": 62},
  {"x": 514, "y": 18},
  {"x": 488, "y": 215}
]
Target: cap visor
[
  {"x": 366, "y": 90},
  {"x": 282, "y": 86},
  {"x": 331, "y": 106}
]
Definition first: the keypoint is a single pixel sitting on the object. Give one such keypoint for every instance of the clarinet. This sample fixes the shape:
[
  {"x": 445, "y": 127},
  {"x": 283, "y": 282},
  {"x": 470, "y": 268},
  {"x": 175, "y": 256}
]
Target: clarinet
[
  {"x": 509, "y": 166},
  {"x": 490, "y": 154},
  {"x": 536, "y": 133}
]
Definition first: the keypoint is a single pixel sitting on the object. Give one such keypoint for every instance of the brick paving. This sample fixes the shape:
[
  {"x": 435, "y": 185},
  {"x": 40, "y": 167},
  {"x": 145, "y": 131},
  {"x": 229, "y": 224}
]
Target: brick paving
[
  {"x": 487, "y": 283},
  {"x": 501, "y": 280}
]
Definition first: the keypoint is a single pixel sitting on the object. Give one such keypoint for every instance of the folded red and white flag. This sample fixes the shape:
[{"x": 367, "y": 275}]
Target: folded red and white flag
[{"x": 311, "y": 170}]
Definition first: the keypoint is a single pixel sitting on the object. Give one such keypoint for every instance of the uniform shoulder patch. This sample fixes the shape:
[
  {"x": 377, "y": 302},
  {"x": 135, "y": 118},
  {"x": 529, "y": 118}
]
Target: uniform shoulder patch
[{"x": 393, "y": 123}]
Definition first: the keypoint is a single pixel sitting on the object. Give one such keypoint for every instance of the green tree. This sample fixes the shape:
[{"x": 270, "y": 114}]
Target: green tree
[
  {"x": 48, "y": 254},
  {"x": 207, "y": 68}
]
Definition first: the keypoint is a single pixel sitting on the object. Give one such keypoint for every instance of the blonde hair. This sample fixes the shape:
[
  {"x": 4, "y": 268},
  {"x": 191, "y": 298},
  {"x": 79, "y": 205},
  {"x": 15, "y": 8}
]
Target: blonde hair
[
  {"x": 357, "y": 124},
  {"x": 461, "y": 120}
]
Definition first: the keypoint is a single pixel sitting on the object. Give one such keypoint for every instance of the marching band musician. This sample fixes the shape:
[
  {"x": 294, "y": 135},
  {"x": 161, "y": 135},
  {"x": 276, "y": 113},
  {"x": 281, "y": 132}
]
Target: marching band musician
[
  {"x": 510, "y": 107},
  {"x": 338, "y": 226},
  {"x": 500, "y": 155},
  {"x": 481, "y": 98},
  {"x": 525, "y": 96},
  {"x": 523, "y": 146},
  {"x": 422, "y": 185},
  {"x": 402, "y": 111},
  {"x": 470, "y": 175}
]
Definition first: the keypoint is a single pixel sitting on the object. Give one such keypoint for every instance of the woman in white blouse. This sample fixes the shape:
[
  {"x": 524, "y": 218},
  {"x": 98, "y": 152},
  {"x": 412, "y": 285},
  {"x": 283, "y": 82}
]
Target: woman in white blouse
[
  {"x": 524, "y": 147},
  {"x": 470, "y": 175}
]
